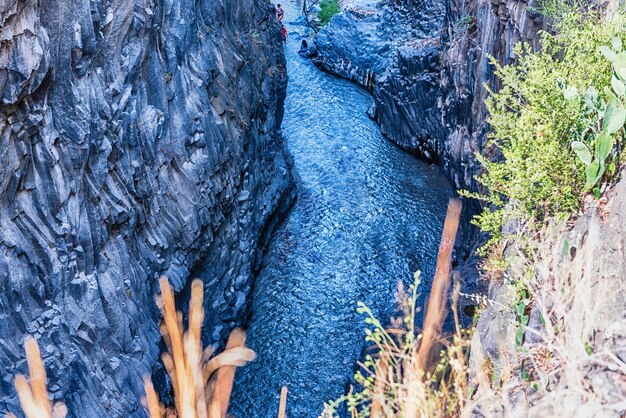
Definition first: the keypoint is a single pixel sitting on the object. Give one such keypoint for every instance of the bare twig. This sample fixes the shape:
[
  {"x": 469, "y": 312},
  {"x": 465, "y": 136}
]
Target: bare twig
[
  {"x": 441, "y": 282},
  {"x": 282, "y": 407}
]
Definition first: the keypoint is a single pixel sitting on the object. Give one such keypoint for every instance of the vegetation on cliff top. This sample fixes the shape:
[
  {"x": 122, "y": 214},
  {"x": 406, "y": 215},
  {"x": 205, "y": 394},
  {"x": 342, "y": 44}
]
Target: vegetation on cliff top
[
  {"x": 556, "y": 123},
  {"x": 328, "y": 8},
  {"x": 557, "y": 134}
]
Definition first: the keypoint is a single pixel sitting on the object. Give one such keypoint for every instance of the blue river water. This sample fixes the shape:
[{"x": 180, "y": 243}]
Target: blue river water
[{"x": 367, "y": 215}]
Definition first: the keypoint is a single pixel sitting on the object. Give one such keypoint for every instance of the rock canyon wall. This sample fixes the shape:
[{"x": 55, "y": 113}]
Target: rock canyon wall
[{"x": 138, "y": 138}]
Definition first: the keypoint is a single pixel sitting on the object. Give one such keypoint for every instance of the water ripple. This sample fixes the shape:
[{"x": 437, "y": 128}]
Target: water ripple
[{"x": 367, "y": 215}]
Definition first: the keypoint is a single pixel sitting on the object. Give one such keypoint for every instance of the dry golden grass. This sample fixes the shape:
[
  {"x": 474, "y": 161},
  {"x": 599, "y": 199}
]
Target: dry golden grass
[
  {"x": 573, "y": 357},
  {"x": 202, "y": 384},
  {"x": 33, "y": 394},
  {"x": 568, "y": 363},
  {"x": 393, "y": 383}
]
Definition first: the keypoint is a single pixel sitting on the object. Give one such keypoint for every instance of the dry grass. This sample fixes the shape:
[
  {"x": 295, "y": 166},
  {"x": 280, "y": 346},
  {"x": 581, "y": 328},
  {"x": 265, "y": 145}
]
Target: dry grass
[
  {"x": 393, "y": 383},
  {"x": 202, "y": 384},
  {"x": 573, "y": 357},
  {"x": 398, "y": 381},
  {"x": 33, "y": 394},
  {"x": 569, "y": 363}
]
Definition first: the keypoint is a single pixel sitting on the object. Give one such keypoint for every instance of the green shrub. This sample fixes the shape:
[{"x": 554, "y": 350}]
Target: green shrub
[
  {"x": 328, "y": 8},
  {"x": 466, "y": 23},
  {"x": 540, "y": 122}
]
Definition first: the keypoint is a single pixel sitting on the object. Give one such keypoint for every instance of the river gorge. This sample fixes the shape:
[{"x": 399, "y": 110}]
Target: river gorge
[
  {"x": 185, "y": 139},
  {"x": 367, "y": 215}
]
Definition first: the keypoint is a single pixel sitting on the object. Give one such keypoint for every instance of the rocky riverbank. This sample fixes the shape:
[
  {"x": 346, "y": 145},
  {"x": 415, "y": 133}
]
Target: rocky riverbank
[
  {"x": 426, "y": 63},
  {"x": 135, "y": 141}
]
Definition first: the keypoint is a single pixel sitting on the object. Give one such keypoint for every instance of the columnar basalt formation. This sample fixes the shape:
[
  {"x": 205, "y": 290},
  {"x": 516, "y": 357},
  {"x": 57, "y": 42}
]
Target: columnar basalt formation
[
  {"x": 427, "y": 63},
  {"x": 474, "y": 33},
  {"x": 138, "y": 138}
]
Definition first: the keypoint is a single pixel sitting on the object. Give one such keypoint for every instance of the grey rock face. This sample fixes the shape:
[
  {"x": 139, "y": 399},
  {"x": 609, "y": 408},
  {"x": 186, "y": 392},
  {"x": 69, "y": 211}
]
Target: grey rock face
[
  {"x": 362, "y": 42},
  {"x": 354, "y": 46},
  {"x": 427, "y": 63},
  {"x": 138, "y": 138},
  {"x": 407, "y": 95},
  {"x": 474, "y": 31}
]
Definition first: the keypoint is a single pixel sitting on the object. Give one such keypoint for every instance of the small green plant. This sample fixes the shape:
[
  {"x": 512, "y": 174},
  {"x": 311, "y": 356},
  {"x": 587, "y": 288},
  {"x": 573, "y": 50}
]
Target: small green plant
[
  {"x": 328, "y": 9},
  {"x": 465, "y": 24},
  {"x": 521, "y": 308},
  {"x": 606, "y": 116},
  {"x": 393, "y": 383}
]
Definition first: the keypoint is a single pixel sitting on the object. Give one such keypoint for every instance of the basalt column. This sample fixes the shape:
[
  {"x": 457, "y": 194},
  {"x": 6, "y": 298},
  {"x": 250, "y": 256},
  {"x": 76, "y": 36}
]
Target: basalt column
[{"x": 138, "y": 138}]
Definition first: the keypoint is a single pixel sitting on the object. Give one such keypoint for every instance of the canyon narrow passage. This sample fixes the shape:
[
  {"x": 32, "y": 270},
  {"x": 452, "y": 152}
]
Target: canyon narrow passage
[{"x": 367, "y": 215}]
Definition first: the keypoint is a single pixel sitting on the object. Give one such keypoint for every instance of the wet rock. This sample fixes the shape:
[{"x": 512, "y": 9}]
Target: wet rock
[
  {"x": 354, "y": 47},
  {"x": 426, "y": 63},
  {"x": 137, "y": 139},
  {"x": 407, "y": 92},
  {"x": 308, "y": 50}
]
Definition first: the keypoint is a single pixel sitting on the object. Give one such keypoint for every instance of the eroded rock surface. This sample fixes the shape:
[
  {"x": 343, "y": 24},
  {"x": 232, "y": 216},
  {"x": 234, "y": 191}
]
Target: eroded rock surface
[
  {"x": 427, "y": 63},
  {"x": 137, "y": 138},
  {"x": 474, "y": 31}
]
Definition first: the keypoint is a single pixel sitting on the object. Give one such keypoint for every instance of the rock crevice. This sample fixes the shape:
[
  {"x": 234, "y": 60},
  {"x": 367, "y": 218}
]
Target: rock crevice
[{"x": 426, "y": 63}]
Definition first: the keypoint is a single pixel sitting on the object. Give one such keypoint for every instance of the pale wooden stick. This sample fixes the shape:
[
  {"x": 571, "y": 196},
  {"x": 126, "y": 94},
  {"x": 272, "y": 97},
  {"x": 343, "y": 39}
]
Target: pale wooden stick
[
  {"x": 282, "y": 407},
  {"x": 224, "y": 377},
  {"x": 436, "y": 301},
  {"x": 172, "y": 322},
  {"x": 194, "y": 348}
]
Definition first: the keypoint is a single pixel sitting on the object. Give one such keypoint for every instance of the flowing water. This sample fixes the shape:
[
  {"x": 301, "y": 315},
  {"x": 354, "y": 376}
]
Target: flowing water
[{"x": 367, "y": 215}]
